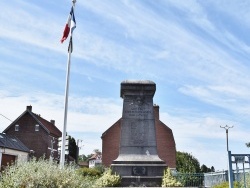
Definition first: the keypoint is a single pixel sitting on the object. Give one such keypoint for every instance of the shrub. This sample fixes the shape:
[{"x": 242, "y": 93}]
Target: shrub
[
  {"x": 168, "y": 180},
  {"x": 247, "y": 176},
  {"x": 108, "y": 179},
  {"x": 42, "y": 174},
  {"x": 89, "y": 172},
  {"x": 226, "y": 185},
  {"x": 100, "y": 168}
]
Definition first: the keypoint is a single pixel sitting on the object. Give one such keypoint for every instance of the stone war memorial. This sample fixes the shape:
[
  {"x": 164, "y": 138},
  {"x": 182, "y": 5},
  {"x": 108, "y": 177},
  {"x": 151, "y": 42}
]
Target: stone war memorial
[{"x": 138, "y": 162}]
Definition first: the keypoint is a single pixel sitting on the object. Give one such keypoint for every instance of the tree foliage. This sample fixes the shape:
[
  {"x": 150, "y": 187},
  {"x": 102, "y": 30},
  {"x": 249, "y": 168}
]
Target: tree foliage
[
  {"x": 97, "y": 151},
  {"x": 205, "y": 169},
  {"x": 248, "y": 144},
  {"x": 84, "y": 157},
  {"x": 186, "y": 163},
  {"x": 72, "y": 147}
]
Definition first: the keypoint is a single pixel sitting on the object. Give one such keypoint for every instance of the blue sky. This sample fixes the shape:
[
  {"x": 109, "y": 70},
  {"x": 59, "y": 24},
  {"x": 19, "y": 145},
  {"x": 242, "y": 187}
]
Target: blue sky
[{"x": 197, "y": 53}]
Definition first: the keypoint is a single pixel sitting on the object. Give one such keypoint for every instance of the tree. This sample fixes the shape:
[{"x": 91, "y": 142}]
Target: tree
[
  {"x": 205, "y": 169},
  {"x": 72, "y": 147},
  {"x": 84, "y": 157},
  {"x": 186, "y": 163},
  {"x": 248, "y": 144},
  {"x": 212, "y": 169},
  {"x": 97, "y": 151}
]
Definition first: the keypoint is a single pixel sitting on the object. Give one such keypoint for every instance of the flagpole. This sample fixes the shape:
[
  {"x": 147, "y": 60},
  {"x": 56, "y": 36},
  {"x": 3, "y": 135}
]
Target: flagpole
[{"x": 62, "y": 158}]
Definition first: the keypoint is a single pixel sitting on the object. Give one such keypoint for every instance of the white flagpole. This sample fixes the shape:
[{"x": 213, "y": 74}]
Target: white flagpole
[{"x": 62, "y": 158}]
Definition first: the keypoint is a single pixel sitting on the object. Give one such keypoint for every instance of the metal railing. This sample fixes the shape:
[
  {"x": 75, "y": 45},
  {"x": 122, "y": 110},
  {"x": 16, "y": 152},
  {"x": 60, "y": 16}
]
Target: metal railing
[
  {"x": 214, "y": 178},
  {"x": 190, "y": 179}
]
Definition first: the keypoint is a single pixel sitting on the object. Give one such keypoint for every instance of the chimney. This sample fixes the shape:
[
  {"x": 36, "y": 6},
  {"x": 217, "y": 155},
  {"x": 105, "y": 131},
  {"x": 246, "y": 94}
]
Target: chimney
[
  {"x": 156, "y": 112},
  {"x": 29, "y": 108},
  {"x": 52, "y": 121}
]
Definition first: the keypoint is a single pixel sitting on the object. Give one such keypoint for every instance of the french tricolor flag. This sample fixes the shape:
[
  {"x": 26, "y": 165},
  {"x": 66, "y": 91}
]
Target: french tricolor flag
[{"x": 70, "y": 25}]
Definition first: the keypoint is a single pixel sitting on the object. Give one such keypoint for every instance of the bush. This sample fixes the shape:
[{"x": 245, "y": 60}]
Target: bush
[
  {"x": 226, "y": 185},
  {"x": 108, "y": 179},
  {"x": 42, "y": 174},
  {"x": 89, "y": 172},
  {"x": 100, "y": 168},
  {"x": 247, "y": 176},
  {"x": 168, "y": 180}
]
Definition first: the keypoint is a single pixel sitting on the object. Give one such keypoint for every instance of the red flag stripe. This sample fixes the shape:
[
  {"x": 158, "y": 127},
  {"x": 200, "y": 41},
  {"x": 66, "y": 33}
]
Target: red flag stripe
[{"x": 68, "y": 27}]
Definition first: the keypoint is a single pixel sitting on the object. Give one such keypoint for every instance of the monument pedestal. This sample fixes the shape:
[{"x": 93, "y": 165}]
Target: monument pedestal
[
  {"x": 140, "y": 174},
  {"x": 138, "y": 162}
]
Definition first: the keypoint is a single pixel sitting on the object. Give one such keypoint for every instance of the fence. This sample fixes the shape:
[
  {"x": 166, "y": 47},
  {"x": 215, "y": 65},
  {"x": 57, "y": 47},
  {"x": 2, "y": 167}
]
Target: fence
[
  {"x": 190, "y": 179},
  {"x": 209, "y": 179},
  {"x": 214, "y": 178}
]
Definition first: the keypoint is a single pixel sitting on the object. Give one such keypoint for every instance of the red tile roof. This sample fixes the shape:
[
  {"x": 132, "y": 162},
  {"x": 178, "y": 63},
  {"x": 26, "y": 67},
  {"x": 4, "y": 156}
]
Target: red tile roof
[{"x": 48, "y": 125}]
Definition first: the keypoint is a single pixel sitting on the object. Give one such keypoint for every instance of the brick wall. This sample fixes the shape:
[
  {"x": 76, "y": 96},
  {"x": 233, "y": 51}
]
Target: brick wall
[
  {"x": 111, "y": 143},
  {"x": 39, "y": 141}
]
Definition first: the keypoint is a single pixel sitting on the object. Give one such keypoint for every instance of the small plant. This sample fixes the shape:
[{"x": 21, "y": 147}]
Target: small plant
[
  {"x": 108, "y": 179},
  {"x": 168, "y": 180}
]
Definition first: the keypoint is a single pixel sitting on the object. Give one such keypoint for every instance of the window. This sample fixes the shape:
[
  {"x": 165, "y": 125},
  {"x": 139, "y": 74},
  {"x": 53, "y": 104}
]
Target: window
[
  {"x": 16, "y": 127},
  {"x": 36, "y": 127}
]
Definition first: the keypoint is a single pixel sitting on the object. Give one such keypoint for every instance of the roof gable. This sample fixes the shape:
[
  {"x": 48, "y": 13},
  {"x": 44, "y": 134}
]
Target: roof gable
[
  {"x": 48, "y": 126},
  {"x": 117, "y": 123},
  {"x": 14, "y": 122}
]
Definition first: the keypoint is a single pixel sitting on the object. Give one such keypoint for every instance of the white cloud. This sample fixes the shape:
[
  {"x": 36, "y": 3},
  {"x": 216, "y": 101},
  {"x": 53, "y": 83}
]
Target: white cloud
[
  {"x": 84, "y": 114},
  {"x": 232, "y": 98},
  {"x": 26, "y": 27},
  {"x": 202, "y": 136}
]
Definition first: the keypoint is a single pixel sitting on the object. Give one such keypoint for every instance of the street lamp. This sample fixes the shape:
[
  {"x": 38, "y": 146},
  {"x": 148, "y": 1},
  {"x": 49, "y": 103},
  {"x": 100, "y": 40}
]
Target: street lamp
[{"x": 226, "y": 128}]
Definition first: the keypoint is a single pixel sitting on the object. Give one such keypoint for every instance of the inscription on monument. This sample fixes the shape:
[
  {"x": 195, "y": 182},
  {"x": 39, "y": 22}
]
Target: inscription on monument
[
  {"x": 137, "y": 112},
  {"x": 137, "y": 107},
  {"x": 137, "y": 133}
]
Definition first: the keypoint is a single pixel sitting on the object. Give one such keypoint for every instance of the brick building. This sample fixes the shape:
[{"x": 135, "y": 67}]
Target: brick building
[
  {"x": 36, "y": 133},
  {"x": 164, "y": 138}
]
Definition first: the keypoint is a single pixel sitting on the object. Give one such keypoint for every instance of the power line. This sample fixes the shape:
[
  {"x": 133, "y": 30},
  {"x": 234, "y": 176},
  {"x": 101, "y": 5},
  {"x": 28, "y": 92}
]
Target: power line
[{"x": 6, "y": 117}]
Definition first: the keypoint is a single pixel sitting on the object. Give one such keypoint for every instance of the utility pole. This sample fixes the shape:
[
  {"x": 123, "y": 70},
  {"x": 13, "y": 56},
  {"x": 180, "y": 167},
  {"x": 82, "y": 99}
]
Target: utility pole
[
  {"x": 78, "y": 148},
  {"x": 226, "y": 128},
  {"x": 52, "y": 149}
]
